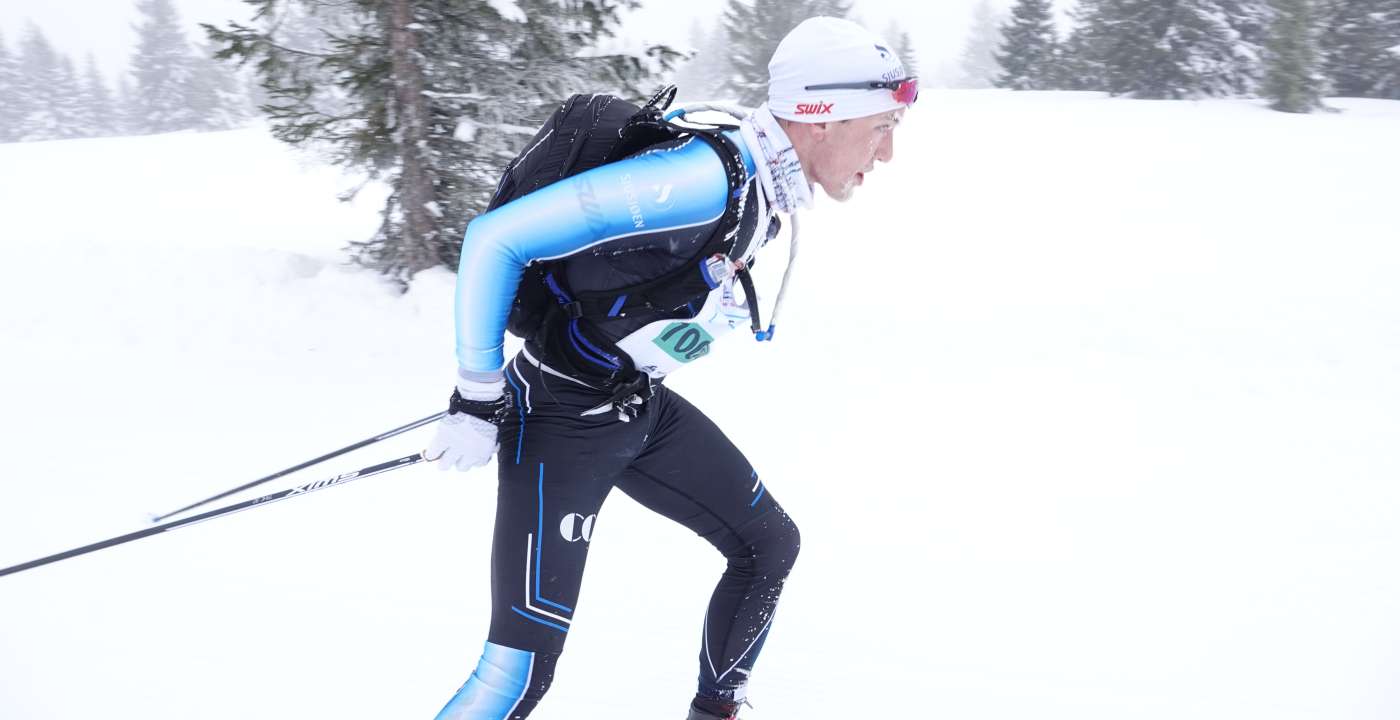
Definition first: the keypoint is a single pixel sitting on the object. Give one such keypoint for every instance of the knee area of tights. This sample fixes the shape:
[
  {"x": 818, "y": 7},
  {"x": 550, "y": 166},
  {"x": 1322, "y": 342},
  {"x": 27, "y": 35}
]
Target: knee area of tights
[{"x": 775, "y": 550}]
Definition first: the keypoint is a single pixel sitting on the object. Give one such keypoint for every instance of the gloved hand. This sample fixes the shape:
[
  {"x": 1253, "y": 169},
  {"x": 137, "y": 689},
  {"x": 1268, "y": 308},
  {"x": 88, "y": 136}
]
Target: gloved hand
[{"x": 466, "y": 436}]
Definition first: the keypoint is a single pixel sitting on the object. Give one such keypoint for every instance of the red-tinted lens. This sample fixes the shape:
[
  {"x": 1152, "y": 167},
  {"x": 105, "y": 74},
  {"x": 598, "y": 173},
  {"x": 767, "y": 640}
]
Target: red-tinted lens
[{"x": 907, "y": 91}]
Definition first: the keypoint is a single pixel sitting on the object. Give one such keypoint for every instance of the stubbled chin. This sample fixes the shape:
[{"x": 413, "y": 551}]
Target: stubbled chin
[{"x": 843, "y": 193}]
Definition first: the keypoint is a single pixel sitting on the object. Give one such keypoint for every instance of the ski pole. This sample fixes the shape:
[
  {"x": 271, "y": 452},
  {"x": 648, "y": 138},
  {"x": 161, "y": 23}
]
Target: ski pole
[
  {"x": 303, "y": 466},
  {"x": 226, "y": 510}
]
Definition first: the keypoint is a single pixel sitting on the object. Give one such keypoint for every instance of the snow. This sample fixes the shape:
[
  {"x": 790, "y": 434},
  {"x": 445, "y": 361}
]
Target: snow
[
  {"x": 508, "y": 9},
  {"x": 1087, "y": 409},
  {"x": 466, "y": 130}
]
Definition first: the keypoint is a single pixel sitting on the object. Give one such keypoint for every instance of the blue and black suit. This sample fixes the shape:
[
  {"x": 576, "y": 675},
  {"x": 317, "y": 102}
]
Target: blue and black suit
[{"x": 612, "y": 227}]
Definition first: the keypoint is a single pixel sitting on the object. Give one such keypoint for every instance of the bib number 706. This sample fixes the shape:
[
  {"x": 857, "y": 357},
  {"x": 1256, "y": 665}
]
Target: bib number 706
[{"x": 684, "y": 341}]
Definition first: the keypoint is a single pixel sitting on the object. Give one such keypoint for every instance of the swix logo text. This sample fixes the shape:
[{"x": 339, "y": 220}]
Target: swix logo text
[
  {"x": 311, "y": 487},
  {"x": 814, "y": 108}
]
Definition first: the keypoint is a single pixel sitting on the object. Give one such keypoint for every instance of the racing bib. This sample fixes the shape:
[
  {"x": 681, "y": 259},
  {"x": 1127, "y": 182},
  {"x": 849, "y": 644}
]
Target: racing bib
[{"x": 661, "y": 347}]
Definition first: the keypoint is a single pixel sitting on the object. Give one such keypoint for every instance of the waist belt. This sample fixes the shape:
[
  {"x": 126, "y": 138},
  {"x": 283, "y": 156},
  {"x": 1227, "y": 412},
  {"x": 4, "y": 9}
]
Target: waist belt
[
  {"x": 627, "y": 398},
  {"x": 530, "y": 358}
]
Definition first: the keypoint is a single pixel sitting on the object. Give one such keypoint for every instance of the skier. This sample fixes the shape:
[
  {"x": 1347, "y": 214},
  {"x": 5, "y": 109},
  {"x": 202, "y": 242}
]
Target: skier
[{"x": 582, "y": 408}]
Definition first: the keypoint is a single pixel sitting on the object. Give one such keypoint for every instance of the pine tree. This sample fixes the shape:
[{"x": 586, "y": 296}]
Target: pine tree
[
  {"x": 1028, "y": 50},
  {"x": 68, "y": 103},
  {"x": 433, "y": 96},
  {"x": 83, "y": 121},
  {"x": 1388, "y": 84},
  {"x": 126, "y": 108},
  {"x": 755, "y": 28},
  {"x": 253, "y": 90},
  {"x": 1133, "y": 55},
  {"x": 1082, "y": 62},
  {"x": 1253, "y": 20},
  {"x": 904, "y": 49},
  {"x": 39, "y": 86},
  {"x": 98, "y": 105},
  {"x": 1359, "y": 47},
  {"x": 213, "y": 94},
  {"x": 704, "y": 76},
  {"x": 978, "y": 65},
  {"x": 1183, "y": 48},
  {"x": 11, "y": 102},
  {"x": 1294, "y": 80},
  {"x": 161, "y": 68}
]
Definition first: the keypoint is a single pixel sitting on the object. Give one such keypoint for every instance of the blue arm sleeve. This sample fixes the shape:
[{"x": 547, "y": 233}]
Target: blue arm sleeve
[{"x": 677, "y": 187}]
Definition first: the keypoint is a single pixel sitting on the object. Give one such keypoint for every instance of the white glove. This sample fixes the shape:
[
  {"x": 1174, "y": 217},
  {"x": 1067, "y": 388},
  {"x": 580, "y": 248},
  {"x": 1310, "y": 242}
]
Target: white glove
[{"x": 464, "y": 441}]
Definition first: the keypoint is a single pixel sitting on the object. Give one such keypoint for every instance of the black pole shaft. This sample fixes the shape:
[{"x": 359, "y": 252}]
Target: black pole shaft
[
  {"x": 303, "y": 466},
  {"x": 226, "y": 510}
]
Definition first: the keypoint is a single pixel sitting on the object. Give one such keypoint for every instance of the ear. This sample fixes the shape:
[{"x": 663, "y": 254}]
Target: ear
[
  {"x": 801, "y": 133},
  {"x": 819, "y": 131}
]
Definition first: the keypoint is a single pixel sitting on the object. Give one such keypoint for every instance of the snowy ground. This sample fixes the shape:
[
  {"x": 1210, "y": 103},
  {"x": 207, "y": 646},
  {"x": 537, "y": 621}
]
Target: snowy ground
[{"x": 1087, "y": 409}]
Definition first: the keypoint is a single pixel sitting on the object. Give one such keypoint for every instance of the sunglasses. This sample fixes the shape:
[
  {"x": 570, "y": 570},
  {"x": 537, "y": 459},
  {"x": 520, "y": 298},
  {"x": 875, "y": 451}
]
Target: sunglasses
[{"x": 905, "y": 91}]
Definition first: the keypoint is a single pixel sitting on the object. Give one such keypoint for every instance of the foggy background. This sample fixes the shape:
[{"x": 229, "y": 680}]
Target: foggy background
[
  {"x": 103, "y": 27},
  {"x": 1099, "y": 382}
]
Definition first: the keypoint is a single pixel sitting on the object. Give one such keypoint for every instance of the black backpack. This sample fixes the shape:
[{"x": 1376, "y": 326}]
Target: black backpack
[{"x": 588, "y": 131}]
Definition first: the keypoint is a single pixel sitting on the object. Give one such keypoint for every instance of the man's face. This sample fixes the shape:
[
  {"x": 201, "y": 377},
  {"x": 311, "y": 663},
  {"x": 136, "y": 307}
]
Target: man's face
[{"x": 846, "y": 152}]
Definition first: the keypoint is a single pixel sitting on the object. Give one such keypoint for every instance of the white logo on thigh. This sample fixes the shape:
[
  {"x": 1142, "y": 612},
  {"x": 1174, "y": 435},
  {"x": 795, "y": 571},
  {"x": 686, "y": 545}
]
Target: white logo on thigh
[{"x": 575, "y": 527}]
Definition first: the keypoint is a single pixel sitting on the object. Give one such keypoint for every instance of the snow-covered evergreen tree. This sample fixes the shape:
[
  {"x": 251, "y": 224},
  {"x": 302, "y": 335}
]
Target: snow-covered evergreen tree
[
  {"x": 1388, "y": 85},
  {"x": 1028, "y": 50},
  {"x": 1294, "y": 79},
  {"x": 903, "y": 48},
  {"x": 434, "y": 96},
  {"x": 705, "y": 75},
  {"x": 68, "y": 102},
  {"x": 11, "y": 103},
  {"x": 161, "y": 68},
  {"x": 40, "y": 85},
  {"x": 1082, "y": 61},
  {"x": 126, "y": 108},
  {"x": 213, "y": 93},
  {"x": 978, "y": 65},
  {"x": 1183, "y": 48},
  {"x": 253, "y": 90},
  {"x": 1134, "y": 54},
  {"x": 98, "y": 107},
  {"x": 755, "y": 27},
  {"x": 1253, "y": 20},
  {"x": 1361, "y": 47}
]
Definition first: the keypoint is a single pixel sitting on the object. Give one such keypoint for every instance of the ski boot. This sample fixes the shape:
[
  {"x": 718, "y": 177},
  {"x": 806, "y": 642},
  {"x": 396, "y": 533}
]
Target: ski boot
[{"x": 713, "y": 710}]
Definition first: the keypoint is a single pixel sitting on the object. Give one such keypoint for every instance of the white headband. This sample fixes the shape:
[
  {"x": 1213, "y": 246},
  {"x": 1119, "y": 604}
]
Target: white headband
[{"x": 824, "y": 51}]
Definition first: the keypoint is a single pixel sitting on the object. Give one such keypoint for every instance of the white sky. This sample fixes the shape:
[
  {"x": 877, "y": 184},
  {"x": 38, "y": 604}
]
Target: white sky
[{"x": 103, "y": 27}]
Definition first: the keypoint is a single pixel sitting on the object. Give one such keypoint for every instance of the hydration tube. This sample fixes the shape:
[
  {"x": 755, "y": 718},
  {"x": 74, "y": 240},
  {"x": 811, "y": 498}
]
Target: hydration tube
[
  {"x": 782, "y": 289},
  {"x": 737, "y": 111},
  {"x": 730, "y": 109}
]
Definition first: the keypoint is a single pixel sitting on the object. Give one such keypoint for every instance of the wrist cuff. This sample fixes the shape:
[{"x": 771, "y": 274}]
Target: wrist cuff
[
  {"x": 489, "y": 410},
  {"x": 479, "y": 385}
]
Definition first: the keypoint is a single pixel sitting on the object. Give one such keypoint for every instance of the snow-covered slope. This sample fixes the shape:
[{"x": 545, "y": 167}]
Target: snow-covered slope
[{"x": 1087, "y": 408}]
